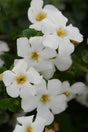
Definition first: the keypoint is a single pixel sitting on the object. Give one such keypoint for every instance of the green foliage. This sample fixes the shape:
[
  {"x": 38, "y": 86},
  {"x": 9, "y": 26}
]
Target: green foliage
[
  {"x": 2, "y": 69},
  {"x": 12, "y": 104},
  {"x": 31, "y": 33},
  {"x": 8, "y": 59}
]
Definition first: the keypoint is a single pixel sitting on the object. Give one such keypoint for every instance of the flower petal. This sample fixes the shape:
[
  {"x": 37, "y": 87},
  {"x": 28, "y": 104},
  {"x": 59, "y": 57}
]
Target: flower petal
[
  {"x": 74, "y": 33},
  {"x": 34, "y": 76},
  {"x": 38, "y": 125},
  {"x": 65, "y": 47},
  {"x": 20, "y": 67},
  {"x": 40, "y": 87},
  {"x": 30, "y": 103},
  {"x": 44, "y": 112},
  {"x": 83, "y": 98},
  {"x": 44, "y": 65},
  {"x": 36, "y": 43},
  {"x": 54, "y": 87},
  {"x": 63, "y": 63},
  {"x": 37, "y": 3},
  {"x": 23, "y": 48},
  {"x": 36, "y": 26},
  {"x": 8, "y": 77},
  {"x": 58, "y": 104},
  {"x": 1, "y": 62},
  {"x": 18, "y": 128},
  {"x": 13, "y": 90},
  {"x": 48, "y": 73},
  {"x": 78, "y": 88},
  {"x": 3, "y": 46},
  {"x": 50, "y": 41},
  {"x": 32, "y": 13},
  {"x": 27, "y": 90},
  {"x": 25, "y": 120},
  {"x": 34, "y": 10},
  {"x": 55, "y": 16},
  {"x": 66, "y": 87},
  {"x": 48, "y": 53},
  {"x": 50, "y": 8},
  {"x": 48, "y": 27}
]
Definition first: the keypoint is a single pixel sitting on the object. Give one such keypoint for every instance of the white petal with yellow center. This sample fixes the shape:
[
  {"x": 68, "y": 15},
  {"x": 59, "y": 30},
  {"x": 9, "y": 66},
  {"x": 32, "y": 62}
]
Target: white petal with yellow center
[
  {"x": 29, "y": 129},
  {"x": 45, "y": 98},
  {"x": 40, "y": 16},
  {"x": 26, "y": 124},
  {"x": 20, "y": 79},
  {"x": 61, "y": 33},
  {"x": 35, "y": 56}
]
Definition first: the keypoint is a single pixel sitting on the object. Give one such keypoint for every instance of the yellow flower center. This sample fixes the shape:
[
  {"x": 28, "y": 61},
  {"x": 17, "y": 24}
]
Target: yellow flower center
[
  {"x": 61, "y": 33},
  {"x": 20, "y": 79},
  {"x": 45, "y": 98},
  {"x": 40, "y": 16},
  {"x": 29, "y": 129},
  {"x": 34, "y": 56},
  {"x": 67, "y": 94}
]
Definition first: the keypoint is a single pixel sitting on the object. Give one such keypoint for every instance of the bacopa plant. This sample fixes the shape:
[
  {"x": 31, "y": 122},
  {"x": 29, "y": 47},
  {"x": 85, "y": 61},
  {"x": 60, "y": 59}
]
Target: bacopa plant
[{"x": 37, "y": 82}]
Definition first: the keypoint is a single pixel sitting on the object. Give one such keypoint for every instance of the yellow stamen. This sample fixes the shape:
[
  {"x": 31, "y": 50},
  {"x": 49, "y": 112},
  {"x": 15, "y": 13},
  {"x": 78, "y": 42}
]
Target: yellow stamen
[
  {"x": 67, "y": 94},
  {"x": 34, "y": 56},
  {"x": 61, "y": 33},
  {"x": 29, "y": 129},
  {"x": 1, "y": 76},
  {"x": 40, "y": 16},
  {"x": 45, "y": 98},
  {"x": 20, "y": 79}
]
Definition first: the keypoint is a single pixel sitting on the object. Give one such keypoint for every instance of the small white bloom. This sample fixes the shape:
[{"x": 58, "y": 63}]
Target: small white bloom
[
  {"x": 62, "y": 62},
  {"x": 72, "y": 91},
  {"x": 3, "y": 48},
  {"x": 41, "y": 58},
  {"x": 59, "y": 36},
  {"x": 26, "y": 124},
  {"x": 36, "y": 55},
  {"x": 83, "y": 98},
  {"x": 18, "y": 81},
  {"x": 48, "y": 100},
  {"x": 37, "y": 15}
]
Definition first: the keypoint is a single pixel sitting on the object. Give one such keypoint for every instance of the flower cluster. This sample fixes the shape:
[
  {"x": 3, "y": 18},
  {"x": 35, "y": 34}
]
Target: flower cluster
[{"x": 41, "y": 55}]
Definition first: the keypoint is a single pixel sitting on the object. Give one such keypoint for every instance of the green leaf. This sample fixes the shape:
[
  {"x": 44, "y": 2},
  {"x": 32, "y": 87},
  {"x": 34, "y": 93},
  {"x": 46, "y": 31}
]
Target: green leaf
[
  {"x": 30, "y": 33},
  {"x": 2, "y": 69},
  {"x": 12, "y": 104},
  {"x": 8, "y": 59}
]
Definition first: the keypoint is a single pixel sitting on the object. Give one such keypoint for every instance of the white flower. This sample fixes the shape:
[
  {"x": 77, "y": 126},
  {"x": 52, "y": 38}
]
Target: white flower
[
  {"x": 3, "y": 48},
  {"x": 26, "y": 124},
  {"x": 83, "y": 97},
  {"x": 42, "y": 59},
  {"x": 58, "y": 35},
  {"x": 18, "y": 81},
  {"x": 72, "y": 91},
  {"x": 62, "y": 62},
  {"x": 47, "y": 100},
  {"x": 37, "y": 15},
  {"x": 36, "y": 55}
]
